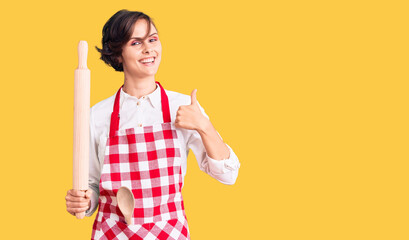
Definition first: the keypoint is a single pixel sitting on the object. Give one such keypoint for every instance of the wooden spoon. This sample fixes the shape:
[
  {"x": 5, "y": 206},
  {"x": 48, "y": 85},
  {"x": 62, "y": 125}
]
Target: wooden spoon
[{"x": 126, "y": 203}]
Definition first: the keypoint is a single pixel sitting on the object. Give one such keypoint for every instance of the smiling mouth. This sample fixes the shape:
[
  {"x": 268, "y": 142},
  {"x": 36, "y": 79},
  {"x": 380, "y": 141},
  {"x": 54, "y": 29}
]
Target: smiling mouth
[{"x": 148, "y": 61}]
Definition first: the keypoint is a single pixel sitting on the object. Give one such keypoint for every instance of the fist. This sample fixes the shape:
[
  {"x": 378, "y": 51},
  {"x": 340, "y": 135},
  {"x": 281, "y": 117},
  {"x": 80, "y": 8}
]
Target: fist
[
  {"x": 190, "y": 116},
  {"x": 78, "y": 201}
]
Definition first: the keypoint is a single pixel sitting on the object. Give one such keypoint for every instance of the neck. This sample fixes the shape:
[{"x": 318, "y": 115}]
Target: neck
[{"x": 139, "y": 87}]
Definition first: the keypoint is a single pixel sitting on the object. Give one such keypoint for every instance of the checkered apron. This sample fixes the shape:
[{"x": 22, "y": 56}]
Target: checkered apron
[{"x": 147, "y": 161}]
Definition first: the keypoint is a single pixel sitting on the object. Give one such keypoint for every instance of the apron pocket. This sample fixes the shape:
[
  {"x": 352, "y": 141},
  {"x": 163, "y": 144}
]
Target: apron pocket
[
  {"x": 111, "y": 228},
  {"x": 176, "y": 228}
]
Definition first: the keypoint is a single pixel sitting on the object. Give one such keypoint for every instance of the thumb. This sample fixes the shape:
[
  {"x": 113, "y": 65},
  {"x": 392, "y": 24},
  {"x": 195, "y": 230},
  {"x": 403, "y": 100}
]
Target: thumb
[
  {"x": 88, "y": 193},
  {"x": 193, "y": 96}
]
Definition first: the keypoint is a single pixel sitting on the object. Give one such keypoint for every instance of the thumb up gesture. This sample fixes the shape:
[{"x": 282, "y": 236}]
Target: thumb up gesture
[{"x": 190, "y": 116}]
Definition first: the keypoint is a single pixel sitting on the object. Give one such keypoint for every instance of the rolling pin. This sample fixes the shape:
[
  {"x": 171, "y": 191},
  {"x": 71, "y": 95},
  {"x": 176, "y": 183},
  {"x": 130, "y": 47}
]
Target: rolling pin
[{"x": 81, "y": 122}]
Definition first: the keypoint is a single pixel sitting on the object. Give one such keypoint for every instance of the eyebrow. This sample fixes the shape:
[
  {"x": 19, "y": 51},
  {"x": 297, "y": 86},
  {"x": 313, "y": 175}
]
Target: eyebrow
[{"x": 138, "y": 38}]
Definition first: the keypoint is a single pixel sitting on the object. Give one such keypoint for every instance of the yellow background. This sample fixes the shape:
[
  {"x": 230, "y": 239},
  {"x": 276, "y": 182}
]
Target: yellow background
[{"x": 311, "y": 95}]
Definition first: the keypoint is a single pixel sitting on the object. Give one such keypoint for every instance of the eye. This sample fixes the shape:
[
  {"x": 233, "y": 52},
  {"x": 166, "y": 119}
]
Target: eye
[{"x": 134, "y": 43}]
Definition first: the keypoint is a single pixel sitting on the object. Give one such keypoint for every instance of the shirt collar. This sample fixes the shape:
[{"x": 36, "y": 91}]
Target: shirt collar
[{"x": 154, "y": 97}]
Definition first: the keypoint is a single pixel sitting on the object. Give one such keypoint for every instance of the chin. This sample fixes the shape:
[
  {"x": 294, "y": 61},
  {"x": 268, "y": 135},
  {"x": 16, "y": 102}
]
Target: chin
[{"x": 151, "y": 73}]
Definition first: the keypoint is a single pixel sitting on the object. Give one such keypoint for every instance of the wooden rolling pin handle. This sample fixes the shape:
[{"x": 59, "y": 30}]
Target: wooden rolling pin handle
[
  {"x": 82, "y": 55},
  {"x": 80, "y": 215}
]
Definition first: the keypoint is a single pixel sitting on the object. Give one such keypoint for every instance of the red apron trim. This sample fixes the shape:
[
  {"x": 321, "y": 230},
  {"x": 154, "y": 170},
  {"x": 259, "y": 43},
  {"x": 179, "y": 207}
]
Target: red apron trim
[{"x": 115, "y": 113}]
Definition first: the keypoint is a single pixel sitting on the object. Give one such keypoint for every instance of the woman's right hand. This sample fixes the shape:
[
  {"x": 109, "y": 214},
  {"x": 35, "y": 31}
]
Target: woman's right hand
[{"x": 78, "y": 201}]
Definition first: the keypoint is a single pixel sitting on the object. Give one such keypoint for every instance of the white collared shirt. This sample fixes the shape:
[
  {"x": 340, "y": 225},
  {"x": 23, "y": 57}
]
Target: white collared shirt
[{"x": 147, "y": 110}]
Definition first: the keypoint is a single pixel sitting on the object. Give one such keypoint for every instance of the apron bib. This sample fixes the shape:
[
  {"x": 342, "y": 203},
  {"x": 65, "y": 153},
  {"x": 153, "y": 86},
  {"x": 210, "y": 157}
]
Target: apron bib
[{"x": 146, "y": 160}]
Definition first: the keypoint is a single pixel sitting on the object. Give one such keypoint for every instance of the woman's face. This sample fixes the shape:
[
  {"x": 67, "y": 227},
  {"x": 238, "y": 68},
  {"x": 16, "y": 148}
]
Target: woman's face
[{"x": 137, "y": 49}]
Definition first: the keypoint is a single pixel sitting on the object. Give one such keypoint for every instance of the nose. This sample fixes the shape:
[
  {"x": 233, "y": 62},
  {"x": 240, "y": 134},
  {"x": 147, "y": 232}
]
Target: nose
[{"x": 148, "y": 50}]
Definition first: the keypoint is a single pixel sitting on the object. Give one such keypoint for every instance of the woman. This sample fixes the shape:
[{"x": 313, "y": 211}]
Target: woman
[{"x": 140, "y": 138}]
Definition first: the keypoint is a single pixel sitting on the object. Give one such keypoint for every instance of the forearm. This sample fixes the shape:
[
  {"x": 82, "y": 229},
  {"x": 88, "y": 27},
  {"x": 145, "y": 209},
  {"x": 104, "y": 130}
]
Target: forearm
[{"x": 215, "y": 147}]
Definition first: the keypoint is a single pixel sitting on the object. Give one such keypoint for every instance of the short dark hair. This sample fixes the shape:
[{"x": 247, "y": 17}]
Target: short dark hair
[{"x": 117, "y": 32}]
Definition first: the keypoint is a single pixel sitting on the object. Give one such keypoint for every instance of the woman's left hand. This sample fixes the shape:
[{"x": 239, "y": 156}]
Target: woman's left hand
[{"x": 190, "y": 116}]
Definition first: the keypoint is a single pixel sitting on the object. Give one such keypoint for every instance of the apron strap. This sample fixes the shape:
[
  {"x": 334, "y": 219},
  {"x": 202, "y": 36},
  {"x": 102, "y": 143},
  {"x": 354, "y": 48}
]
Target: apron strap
[
  {"x": 115, "y": 114},
  {"x": 114, "y": 126},
  {"x": 164, "y": 103}
]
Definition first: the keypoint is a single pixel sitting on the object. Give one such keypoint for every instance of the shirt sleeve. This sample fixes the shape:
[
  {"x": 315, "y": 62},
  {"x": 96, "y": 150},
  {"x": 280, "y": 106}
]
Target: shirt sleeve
[
  {"x": 225, "y": 170},
  {"x": 94, "y": 169}
]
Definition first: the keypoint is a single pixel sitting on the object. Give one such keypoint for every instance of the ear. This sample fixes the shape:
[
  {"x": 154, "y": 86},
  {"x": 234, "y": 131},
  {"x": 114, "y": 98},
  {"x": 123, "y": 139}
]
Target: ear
[{"x": 119, "y": 59}]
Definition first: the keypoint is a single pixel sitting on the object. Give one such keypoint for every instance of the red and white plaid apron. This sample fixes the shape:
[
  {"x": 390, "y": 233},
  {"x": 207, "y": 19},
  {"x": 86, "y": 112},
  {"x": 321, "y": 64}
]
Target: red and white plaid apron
[{"x": 146, "y": 160}]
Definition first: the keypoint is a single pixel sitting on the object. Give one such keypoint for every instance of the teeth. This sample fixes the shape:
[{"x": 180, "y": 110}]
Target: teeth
[{"x": 147, "y": 60}]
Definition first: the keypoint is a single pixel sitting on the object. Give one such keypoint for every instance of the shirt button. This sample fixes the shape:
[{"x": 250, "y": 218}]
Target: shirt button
[
  {"x": 140, "y": 124},
  {"x": 138, "y": 103},
  {"x": 143, "y": 97}
]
